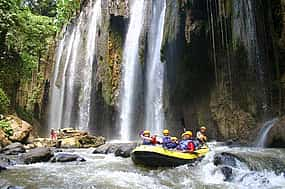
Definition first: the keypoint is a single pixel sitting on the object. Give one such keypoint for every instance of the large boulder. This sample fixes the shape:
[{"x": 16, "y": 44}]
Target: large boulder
[
  {"x": 81, "y": 141},
  {"x": 125, "y": 150},
  {"x": 2, "y": 168},
  {"x": 119, "y": 149},
  {"x": 37, "y": 155},
  {"x": 13, "y": 149},
  {"x": 21, "y": 129},
  {"x": 226, "y": 159},
  {"x": 5, "y": 162},
  {"x": 42, "y": 142},
  {"x": 107, "y": 148},
  {"x": 70, "y": 132},
  {"x": 276, "y": 135},
  {"x": 3, "y": 139},
  {"x": 66, "y": 157}
]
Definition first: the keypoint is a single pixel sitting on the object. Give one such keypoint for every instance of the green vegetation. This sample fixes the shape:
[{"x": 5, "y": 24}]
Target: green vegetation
[
  {"x": 66, "y": 10},
  {"x": 27, "y": 35},
  {"x": 4, "y": 102},
  {"x": 25, "y": 114},
  {"x": 6, "y": 127}
]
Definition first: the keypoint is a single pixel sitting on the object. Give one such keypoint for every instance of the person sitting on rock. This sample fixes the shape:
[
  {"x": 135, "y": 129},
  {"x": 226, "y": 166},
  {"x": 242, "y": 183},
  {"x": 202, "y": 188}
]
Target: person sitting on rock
[
  {"x": 166, "y": 138},
  {"x": 187, "y": 144},
  {"x": 147, "y": 139},
  {"x": 201, "y": 135}
]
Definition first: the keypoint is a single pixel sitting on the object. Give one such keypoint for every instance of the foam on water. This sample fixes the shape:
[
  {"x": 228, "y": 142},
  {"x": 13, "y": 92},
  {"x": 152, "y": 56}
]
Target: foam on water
[{"x": 108, "y": 171}]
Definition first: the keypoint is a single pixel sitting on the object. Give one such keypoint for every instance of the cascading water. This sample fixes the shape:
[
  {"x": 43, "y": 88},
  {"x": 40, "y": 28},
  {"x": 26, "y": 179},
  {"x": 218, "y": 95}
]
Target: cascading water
[
  {"x": 72, "y": 78},
  {"x": 85, "y": 98},
  {"x": 130, "y": 66},
  {"x": 261, "y": 140},
  {"x": 155, "y": 70},
  {"x": 54, "y": 119}
]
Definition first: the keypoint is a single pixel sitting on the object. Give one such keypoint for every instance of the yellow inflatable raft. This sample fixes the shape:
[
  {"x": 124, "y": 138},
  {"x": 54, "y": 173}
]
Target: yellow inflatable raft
[{"x": 157, "y": 156}]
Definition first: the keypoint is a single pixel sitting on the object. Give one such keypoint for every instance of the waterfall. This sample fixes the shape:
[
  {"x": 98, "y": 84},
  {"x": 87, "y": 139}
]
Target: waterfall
[
  {"x": 155, "y": 70},
  {"x": 85, "y": 99},
  {"x": 54, "y": 118},
  {"x": 262, "y": 136},
  {"x": 72, "y": 77},
  {"x": 130, "y": 67}
]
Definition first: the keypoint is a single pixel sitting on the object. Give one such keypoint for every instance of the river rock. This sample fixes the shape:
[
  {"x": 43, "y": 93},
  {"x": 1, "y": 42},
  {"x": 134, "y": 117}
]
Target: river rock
[
  {"x": 14, "y": 149},
  {"x": 226, "y": 159},
  {"x": 2, "y": 168},
  {"x": 276, "y": 135},
  {"x": 37, "y": 155},
  {"x": 70, "y": 132},
  {"x": 4, "y": 141},
  {"x": 227, "y": 172},
  {"x": 81, "y": 141},
  {"x": 106, "y": 149},
  {"x": 65, "y": 157},
  {"x": 72, "y": 138},
  {"x": 21, "y": 129},
  {"x": 125, "y": 150},
  {"x": 42, "y": 142},
  {"x": 120, "y": 149},
  {"x": 5, "y": 162}
]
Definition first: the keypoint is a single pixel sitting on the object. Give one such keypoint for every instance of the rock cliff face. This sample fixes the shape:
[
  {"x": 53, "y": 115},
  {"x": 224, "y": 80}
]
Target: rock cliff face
[
  {"x": 224, "y": 66},
  {"x": 224, "y": 62}
]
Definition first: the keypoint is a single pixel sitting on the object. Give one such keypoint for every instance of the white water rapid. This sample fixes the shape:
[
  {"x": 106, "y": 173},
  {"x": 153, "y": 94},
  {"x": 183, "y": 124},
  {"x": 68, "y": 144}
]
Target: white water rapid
[{"x": 108, "y": 172}]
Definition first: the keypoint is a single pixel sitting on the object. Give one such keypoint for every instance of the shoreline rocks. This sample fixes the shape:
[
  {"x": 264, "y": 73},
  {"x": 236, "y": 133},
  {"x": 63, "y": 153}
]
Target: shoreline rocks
[
  {"x": 21, "y": 131},
  {"x": 66, "y": 157},
  {"x": 13, "y": 149},
  {"x": 69, "y": 138},
  {"x": 37, "y": 155}
]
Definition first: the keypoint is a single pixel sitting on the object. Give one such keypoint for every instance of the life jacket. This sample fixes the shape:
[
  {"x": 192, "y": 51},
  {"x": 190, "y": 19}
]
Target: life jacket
[
  {"x": 166, "y": 140},
  {"x": 171, "y": 145},
  {"x": 183, "y": 145},
  {"x": 146, "y": 142},
  {"x": 196, "y": 143},
  {"x": 153, "y": 141}
]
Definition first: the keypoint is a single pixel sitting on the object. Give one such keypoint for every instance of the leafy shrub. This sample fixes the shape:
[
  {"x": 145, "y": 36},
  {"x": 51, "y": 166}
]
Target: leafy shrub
[
  {"x": 6, "y": 127},
  {"x": 24, "y": 114},
  {"x": 4, "y": 102}
]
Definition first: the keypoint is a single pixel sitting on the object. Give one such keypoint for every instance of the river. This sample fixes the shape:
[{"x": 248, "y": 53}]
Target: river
[{"x": 108, "y": 171}]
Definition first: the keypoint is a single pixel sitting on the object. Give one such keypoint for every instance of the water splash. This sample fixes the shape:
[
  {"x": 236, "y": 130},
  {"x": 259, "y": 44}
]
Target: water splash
[
  {"x": 155, "y": 70},
  {"x": 108, "y": 171},
  {"x": 261, "y": 140},
  {"x": 130, "y": 67}
]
